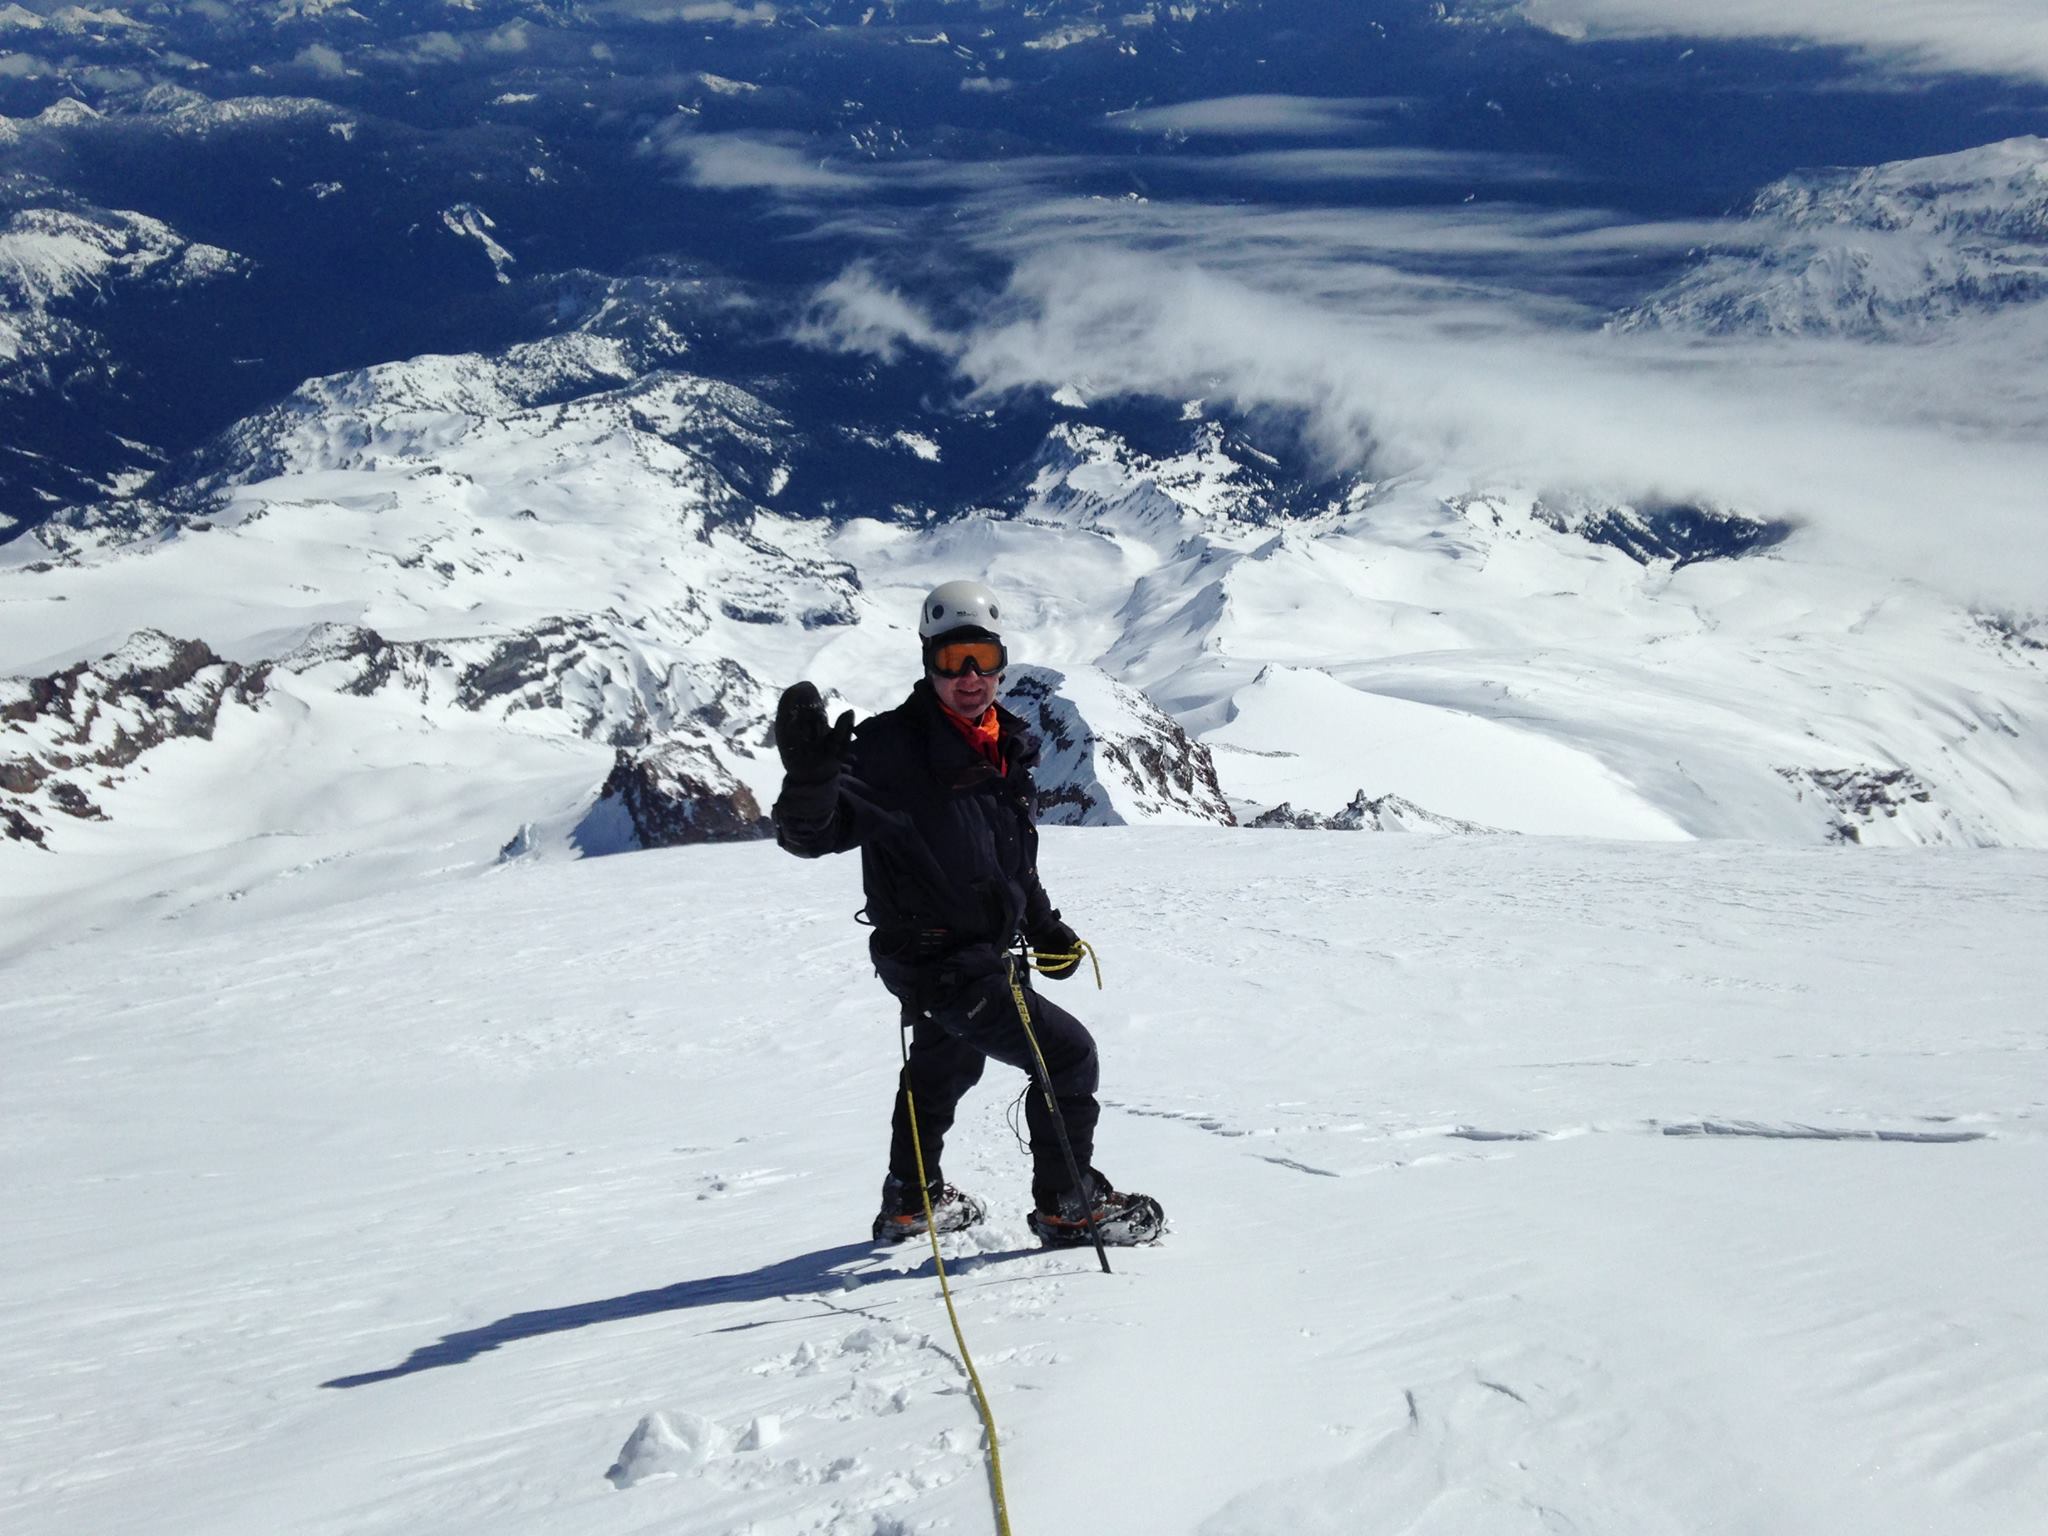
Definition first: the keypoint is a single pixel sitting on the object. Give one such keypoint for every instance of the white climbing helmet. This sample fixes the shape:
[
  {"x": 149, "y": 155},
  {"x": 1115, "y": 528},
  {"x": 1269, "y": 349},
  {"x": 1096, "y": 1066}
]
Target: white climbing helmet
[{"x": 958, "y": 605}]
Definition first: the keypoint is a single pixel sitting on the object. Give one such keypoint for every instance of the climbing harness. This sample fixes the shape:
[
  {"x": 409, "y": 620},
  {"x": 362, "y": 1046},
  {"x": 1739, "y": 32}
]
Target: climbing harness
[{"x": 1038, "y": 960}]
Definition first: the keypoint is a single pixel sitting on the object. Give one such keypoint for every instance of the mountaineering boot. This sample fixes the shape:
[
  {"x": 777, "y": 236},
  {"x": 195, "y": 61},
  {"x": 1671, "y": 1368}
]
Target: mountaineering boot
[
  {"x": 1123, "y": 1221},
  {"x": 902, "y": 1213}
]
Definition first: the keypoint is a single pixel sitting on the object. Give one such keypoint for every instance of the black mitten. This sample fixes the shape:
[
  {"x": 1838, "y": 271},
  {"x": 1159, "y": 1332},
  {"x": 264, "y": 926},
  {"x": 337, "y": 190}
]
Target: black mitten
[
  {"x": 1056, "y": 938},
  {"x": 811, "y": 750},
  {"x": 812, "y": 755}
]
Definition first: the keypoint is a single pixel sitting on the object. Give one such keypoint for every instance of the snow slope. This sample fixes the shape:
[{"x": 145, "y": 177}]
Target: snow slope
[{"x": 1519, "y": 1185}]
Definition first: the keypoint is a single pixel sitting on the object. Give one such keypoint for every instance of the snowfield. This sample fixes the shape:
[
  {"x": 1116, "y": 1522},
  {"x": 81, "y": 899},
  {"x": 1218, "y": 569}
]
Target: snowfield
[{"x": 1517, "y": 1185}]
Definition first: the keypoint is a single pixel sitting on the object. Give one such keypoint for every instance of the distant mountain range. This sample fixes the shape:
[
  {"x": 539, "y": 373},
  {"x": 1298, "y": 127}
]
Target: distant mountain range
[
  {"x": 1886, "y": 252},
  {"x": 551, "y": 595},
  {"x": 404, "y": 494}
]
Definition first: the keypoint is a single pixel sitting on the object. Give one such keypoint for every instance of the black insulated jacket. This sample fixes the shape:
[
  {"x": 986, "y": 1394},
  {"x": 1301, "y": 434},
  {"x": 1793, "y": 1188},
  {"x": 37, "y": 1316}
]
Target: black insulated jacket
[{"x": 949, "y": 852}]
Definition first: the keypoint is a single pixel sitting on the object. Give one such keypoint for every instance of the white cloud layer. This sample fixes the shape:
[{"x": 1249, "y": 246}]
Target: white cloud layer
[
  {"x": 1388, "y": 164},
  {"x": 1248, "y": 116},
  {"x": 1926, "y": 460},
  {"x": 1993, "y": 37},
  {"x": 732, "y": 161}
]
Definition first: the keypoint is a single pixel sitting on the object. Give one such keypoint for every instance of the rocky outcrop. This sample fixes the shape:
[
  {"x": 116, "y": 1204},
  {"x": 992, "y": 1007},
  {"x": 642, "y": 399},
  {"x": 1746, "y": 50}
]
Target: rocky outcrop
[
  {"x": 1388, "y": 813},
  {"x": 1110, "y": 755},
  {"x": 66, "y": 739},
  {"x": 1649, "y": 533},
  {"x": 66, "y": 734},
  {"x": 1680, "y": 533},
  {"x": 672, "y": 794},
  {"x": 608, "y": 685},
  {"x": 1860, "y": 798}
]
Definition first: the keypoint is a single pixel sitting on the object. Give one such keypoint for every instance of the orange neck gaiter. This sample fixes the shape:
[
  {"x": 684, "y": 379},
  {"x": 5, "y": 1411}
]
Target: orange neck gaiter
[{"x": 984, "y": 735}]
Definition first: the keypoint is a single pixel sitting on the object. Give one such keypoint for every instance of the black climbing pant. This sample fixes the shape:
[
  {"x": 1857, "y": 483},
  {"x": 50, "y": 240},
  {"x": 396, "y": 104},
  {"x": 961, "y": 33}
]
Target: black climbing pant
[{"x": 951, "y": 1044}]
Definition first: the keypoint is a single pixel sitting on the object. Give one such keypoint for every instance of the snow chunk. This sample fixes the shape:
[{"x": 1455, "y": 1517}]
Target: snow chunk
[
  {"x": 666, "y": 1445},
  {"x": 762, "y": 1433}
]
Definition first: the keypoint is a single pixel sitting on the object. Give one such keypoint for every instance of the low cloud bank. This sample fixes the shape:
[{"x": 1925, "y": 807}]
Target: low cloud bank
[
  {"x": 1991, "y": 37},
  {"x": 1891, "y": 456},
  {"x": 732, "y": 161},
  {"x": 1251, "y": 116}
]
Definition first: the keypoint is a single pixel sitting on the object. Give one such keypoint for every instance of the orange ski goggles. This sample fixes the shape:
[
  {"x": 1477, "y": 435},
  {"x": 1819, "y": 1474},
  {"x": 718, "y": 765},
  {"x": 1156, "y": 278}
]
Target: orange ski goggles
[{"x": 955, "y": 658}]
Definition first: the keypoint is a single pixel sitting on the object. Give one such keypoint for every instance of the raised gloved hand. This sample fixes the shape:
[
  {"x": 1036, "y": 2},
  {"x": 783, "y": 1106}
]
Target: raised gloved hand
[
  {"x": 1056, "y": 938},
  {"x": 812, "y": 751}
]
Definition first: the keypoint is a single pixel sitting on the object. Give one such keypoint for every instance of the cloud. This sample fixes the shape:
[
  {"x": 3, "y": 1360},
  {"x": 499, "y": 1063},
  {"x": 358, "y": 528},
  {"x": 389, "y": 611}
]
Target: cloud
[
  {"x": 734, "y": 161},
  {"x": 1401, "y": 164},
  {"x": 1568, "y": 266},
  {"x": 1924, "y": 460},
  {"x": 322, "y": 60},
  {"x": 434, "y": 48},
  {"x": 693, "y": 12},
  {"x": 512, "y": 37},
  {"x": 760, "y": 14},
  {"x": 1248, "y": 116},
  {"x": 1993, "y": 37},
  {"x": 858, "y": 312},
  {"x": 987, "y": 85}
]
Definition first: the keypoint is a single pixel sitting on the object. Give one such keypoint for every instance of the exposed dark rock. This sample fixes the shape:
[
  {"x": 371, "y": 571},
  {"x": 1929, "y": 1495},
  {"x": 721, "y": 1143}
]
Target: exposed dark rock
[
  {"x": 726, "y": 696},
  {"x": 16, "y": 827},
  {"x": 100, "y": 716},
  {"x": 22, "y": 775},
  {"x": 517, "y": 664},
  {"x": 679, "y": 793},
  {"x": 1388, "y": 813},
  {"x": 73, "y": 801},
  {"x": 2018, "y": 633},
  {"x": 1112, "y": 747},
  {"x": 1681, "y": 534},
  {"x": 1860, "y": 796}
]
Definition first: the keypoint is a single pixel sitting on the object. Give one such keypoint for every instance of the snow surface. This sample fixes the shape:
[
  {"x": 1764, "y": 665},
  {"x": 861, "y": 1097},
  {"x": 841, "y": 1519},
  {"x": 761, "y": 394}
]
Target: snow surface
[{"x": 1518, "y": 1185}]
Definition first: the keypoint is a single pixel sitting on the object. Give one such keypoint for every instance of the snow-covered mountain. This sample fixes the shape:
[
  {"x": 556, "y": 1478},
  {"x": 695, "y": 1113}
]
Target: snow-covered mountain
[
  {"x": 1888, "y": 251},
  {"x": 56, "y": 263},
  {"x": 561, "y": 584},
  {"x": 432, "y": 433},
  {"x": 534, "y": 592},
  {"x": 65, "y": 267}
]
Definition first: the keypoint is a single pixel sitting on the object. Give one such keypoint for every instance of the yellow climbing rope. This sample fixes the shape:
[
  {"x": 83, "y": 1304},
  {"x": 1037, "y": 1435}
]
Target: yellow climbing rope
[
  {"x": 1039, "y": 960},
  {"x": 988, "y": 1418},
  {"x": 1048, "y": 961}
]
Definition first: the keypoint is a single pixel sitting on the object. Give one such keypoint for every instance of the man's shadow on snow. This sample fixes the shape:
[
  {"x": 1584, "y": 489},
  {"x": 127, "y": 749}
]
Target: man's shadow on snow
[{"x": 821, "y": 1272}]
